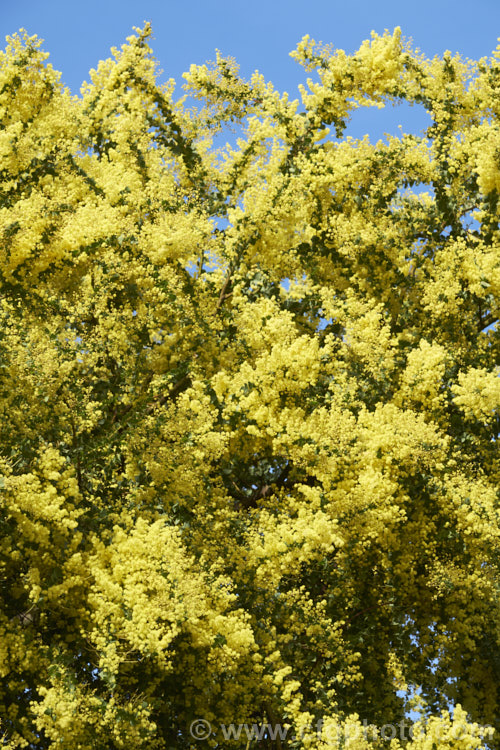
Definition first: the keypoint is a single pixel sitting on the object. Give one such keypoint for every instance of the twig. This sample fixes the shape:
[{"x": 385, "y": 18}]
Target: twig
[{"x": 223, "y": 295}]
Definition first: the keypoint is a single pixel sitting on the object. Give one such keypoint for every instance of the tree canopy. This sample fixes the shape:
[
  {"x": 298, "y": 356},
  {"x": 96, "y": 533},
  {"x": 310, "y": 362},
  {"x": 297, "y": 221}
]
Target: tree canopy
[{"x": 249, "y": 403}]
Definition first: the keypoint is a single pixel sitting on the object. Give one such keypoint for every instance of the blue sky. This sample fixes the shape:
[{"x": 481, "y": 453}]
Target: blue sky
[{"x": 258, "y": 33}]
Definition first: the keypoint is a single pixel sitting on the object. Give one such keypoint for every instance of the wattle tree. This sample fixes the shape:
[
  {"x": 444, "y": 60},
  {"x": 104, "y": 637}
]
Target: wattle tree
[{"x": 249, "y": 397}]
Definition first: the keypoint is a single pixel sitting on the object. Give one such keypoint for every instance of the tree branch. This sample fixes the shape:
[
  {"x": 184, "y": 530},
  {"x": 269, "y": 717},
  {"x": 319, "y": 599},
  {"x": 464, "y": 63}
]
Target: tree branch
[{"x": 486, "y": 321}]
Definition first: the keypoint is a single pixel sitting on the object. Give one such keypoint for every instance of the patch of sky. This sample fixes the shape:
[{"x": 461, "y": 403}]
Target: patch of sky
[
  {"x": 227, "y": 135},
  {"x": 492, "y": 328},
  {"x": 413, "y": 693},
  {"x": 469, "y": 221},
  {"x": 323, "y": 323},
  {"x": 393, "y": 119}
]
